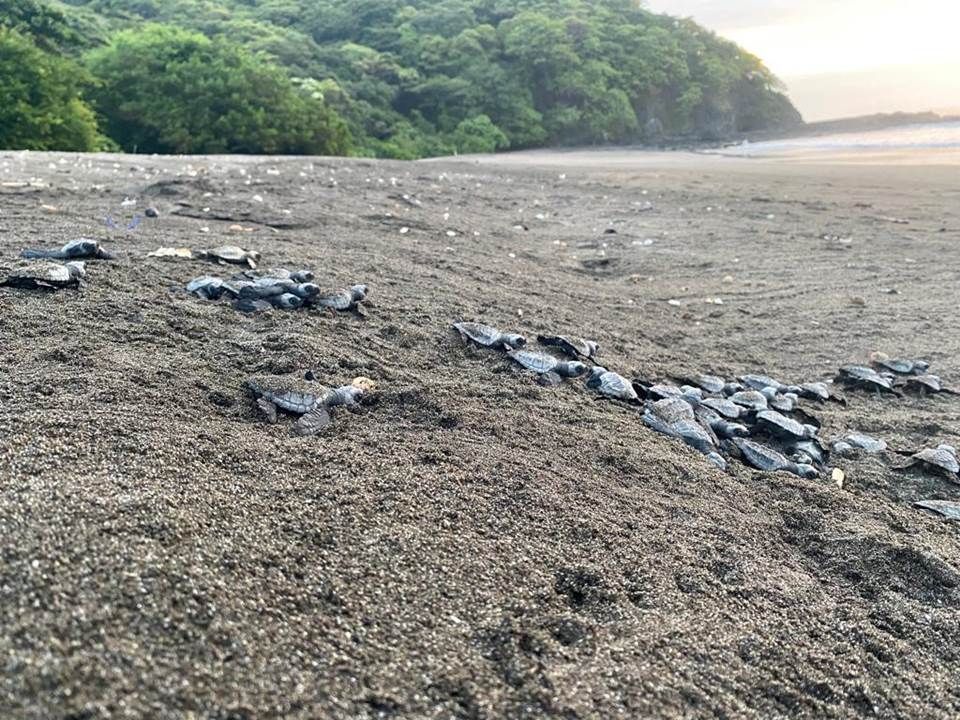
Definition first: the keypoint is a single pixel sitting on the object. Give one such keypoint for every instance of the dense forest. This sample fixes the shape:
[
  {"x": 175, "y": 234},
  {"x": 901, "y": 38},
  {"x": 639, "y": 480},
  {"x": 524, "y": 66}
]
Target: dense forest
[{"x": 387, "y": 78}]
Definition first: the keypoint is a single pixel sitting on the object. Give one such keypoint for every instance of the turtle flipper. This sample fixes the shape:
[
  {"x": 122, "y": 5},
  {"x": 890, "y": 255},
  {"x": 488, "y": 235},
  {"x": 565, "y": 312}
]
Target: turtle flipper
[
  {"x": 38, "y": 254},
  {"x": 312, "y": 423},
  {"x": 268, "y": 409}
]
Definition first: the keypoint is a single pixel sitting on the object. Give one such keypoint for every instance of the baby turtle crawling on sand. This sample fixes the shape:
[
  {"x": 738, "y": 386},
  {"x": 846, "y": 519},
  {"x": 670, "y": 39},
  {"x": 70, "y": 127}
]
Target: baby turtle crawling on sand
[
  {"x": 944, "y": 508},
  {"x": 312, "y": 407},
  {"x": 674, "y": 417},
  {"x": 858, "y": 441},
  {"x": 547, "y": 367},
  {"x": 721, "y": 427},
  {"x": 82, "y": 249},
  {"x": 265, "y": 288},
  {"x": 297, "y": 276},
  {"x": 780, "y": 426},
  {"x": 900, "y": 366},
  {"x": 489, "y": 336},
  {"x": 750, "y": 399},
  {"x": 209, "y": 288},
  {"x": 230, "y": 255},
  {"x": 767, "y": 459},
  {"x": 867, "y": 378},
  {"x": 762, "y": 382},
  {"x": 572, "y": 347},
  {"x": 611, "y": 385},
  {"x": 942, "y": 457},
  {"x": 46, "y": 276},
  {"x": 819, "y": 391},
  {"x": 928, "y": 385},
  {"x": 346, "y": 299}
]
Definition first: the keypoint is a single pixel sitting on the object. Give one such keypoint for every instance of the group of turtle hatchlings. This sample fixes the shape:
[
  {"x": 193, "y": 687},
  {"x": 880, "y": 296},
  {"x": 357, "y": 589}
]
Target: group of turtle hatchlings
[
  {"x": 755, "y": 418},
  {"x": 250, "y": 292}
]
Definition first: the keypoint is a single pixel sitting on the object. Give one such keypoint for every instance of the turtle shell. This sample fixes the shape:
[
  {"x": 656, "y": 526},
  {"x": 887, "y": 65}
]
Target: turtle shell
[
  {"x": 945, "y": 508},
  {"x": 535, "y": 362},
  {"x": 750, "y": 399},
  {"x": 724, "y": 406},
  {"x": 781, "y": 426},
  {"x": 484, "y": 335},
  {"x": 612, "y": 385},
  {"x": 942, "y": 456}
]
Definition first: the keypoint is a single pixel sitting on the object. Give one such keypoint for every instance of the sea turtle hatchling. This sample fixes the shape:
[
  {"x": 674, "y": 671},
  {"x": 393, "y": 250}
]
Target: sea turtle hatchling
[
  {"x": 489, "y": 336},
  {"x": 858, "y": 441},
  {"x": 720, "y": 426},
  {"x": 900, "y": 366},
  {"x": 945, "y": 508},
  {"x": 549, "y": 369},
  {"x": 611, "y": 385},
  {"x": 750, "y": 399},
  {"x": 819, "y": 391},
  {"x": 209, "y": 288},
  {"x": 767, "y": 459},
  {"x": 669, "y": 417},
  {"x": 46, "y": 276},
  {"x": 943, "y": 457},
  {"x": 297, "y": 276},
  {"x": 780, "y": 401},
  {"x": 724, "y": 406},
  {"x": 868, "y": 378},
  {"x": 927, "y": 385},
  {"x": 709, "y": 383},
  {"x": 265, "y": 288},
  {"x": 230, "y": 255},
  {"x": 345, "y": 299},
  {"x": 313, "y": 407},
  {"x": 82, "y": 249},
  {"x": 780, "y": 426},
  {"x": 761, "y": 382},
  {"x": 572, "y": 347}
]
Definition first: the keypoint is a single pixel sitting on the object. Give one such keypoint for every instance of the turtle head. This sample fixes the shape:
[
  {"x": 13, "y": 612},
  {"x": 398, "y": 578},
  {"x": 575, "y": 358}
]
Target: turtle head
[
  {"x": 102, "y": 254},
  {"x": 308, "y": 290},
  {"x": 811, "y": 431},
  {"x": 573, "y": 369},
  {"x": 358, "y": 292},
  {"x": 513, "y": 340},
  {"x": 594, "y": 348},
  {"x": 921, "y": 366},
  {"x": 807, "y": 471},
  {"x": 732, "y": 388},
  {"x": 253, "y": 255},
  {"x": 76, "y": 268}
]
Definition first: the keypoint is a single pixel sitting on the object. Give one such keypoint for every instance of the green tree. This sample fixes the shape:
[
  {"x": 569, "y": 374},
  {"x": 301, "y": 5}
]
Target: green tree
[
  {"x": 41, "y": 107},
  {"x": 165, "y": 89},
  {"x": 479, "y": 135}
]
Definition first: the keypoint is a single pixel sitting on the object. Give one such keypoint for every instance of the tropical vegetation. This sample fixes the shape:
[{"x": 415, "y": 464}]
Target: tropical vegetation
[{"x": 386, "y": 78}]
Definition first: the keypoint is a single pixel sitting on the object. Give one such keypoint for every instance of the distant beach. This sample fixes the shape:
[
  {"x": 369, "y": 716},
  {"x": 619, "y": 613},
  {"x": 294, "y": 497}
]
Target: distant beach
[{"x": 927, "y": 143}]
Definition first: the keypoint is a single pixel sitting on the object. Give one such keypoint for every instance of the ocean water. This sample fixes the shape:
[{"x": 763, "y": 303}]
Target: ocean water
[{"x": 941, "y": 139}]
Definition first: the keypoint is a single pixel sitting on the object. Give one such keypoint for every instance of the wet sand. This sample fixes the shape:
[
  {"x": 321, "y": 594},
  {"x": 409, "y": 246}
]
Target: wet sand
[{"x": 471, "y": 545}]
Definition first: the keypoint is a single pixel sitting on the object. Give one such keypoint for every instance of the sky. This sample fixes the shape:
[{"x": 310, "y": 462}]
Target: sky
[{"x": 845, "y": 57}]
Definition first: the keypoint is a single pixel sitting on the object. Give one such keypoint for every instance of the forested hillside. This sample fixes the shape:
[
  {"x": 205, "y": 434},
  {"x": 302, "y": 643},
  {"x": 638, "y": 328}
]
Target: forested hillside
[{"x": 389, "y": 78}]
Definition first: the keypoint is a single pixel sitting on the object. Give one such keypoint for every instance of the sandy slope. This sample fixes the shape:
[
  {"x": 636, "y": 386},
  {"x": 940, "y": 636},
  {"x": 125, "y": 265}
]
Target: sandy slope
[{"x": 473, "y": 545}]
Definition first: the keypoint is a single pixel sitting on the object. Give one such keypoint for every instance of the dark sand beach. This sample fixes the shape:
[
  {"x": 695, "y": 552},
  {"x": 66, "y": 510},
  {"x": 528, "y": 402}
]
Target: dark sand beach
[{"x": 471, "y": 545}]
